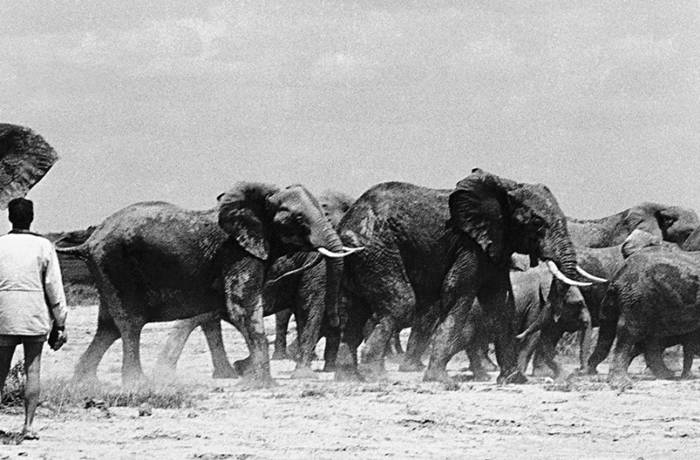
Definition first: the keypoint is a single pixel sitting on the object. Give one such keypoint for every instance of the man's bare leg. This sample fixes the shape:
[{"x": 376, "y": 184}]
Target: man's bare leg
[
  {"x": 6, "y": 353},
  {"x": 32, "y": 389}
]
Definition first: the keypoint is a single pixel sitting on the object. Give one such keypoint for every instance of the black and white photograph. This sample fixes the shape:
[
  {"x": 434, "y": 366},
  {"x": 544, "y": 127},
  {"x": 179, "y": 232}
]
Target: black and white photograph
[{"x": 341, "y": 229}]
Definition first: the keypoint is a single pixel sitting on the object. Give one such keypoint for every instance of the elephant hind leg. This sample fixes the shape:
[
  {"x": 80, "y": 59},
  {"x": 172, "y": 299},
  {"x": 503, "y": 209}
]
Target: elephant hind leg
[
  {"x": 691, "y": 345},
  {"x": 107, "y": 333}
]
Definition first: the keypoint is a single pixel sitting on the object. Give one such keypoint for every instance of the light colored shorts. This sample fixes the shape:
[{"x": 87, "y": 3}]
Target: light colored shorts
[{"x": 7, "y": 340}]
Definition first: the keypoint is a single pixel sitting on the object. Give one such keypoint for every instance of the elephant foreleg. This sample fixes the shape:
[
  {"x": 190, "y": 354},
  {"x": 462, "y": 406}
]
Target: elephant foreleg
[
  {"x": 308, "y": 331},
  {"x": 354, "y": 316},
  {"x": 622, "y": 357},
  {"x": 330, "y": 352},
  {"x": 585, "y": 338},
  {"x": 606, "y": 336},
  {"x": 244, "y": 308}
]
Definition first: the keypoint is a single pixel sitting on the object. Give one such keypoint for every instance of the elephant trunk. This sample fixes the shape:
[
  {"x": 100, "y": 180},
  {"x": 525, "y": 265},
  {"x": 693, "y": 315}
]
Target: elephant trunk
[
  {"x": 334, "y": 271},
  {"x": 561, "y": 257}
]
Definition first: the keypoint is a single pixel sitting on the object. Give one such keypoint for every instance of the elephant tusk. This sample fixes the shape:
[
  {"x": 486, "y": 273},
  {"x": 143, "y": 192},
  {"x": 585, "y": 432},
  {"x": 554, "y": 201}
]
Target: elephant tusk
[
  {"x": 331, "y": 254},
  {"x": 585, "y": 274},
  {"x": 562, "y": 277},
  {"x": 351, "y": 250}
]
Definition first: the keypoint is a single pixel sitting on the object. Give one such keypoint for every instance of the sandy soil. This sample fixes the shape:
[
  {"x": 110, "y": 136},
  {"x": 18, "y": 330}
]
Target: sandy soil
[{"x": 399, "y": 417}]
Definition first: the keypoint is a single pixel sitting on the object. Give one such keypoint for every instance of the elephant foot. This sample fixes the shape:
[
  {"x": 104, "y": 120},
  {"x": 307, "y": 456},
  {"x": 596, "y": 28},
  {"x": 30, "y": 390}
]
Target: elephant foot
[
  {"x": 303, "y": 372},
  {"x": 329, "y": 366},
  {"x": 225, "y": 372},
  {"x": 481, "y": 377},
  {"x": 348, "y": 374},
  {"x": 664, "y": 373},
  {"x": 256, "y": 383},
  {"x": 411, "y": 366},
  {"x": 279, "y": 354},
  {"x": 542, "y": 371},
  {"x": 135, "y": 381},
  {"x": 620, "y": 382},
  {"x": 514, "y": 377},
  {"x": 436, "y": 375},
  {"x": 242, "y": 366},
  {"x": 373, "y": 370}
]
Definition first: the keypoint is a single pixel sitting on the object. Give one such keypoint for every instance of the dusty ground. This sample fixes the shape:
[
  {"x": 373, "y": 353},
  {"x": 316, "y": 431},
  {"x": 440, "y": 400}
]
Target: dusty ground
[{"x": 400, "y": 417}]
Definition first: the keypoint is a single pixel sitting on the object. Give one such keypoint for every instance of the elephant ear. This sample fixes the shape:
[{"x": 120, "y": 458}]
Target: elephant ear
[
  {"x": 25, "y": 157},
  {"x": 477, "y": 208},
  {"x": 242, "y": 215}
]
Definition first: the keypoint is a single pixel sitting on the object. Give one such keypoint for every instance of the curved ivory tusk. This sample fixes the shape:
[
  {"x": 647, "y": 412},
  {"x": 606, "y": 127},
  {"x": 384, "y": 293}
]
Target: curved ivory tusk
[
  {"x": 351, "y": 250},
  {"x": 334, "y": 255},
  {"x": 562, "y": 277},
  {"x": 585, "y": 274}
]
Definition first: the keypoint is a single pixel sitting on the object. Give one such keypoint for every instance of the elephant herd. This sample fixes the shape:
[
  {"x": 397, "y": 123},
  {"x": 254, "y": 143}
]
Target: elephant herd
[{"x": 490, "y": 261}]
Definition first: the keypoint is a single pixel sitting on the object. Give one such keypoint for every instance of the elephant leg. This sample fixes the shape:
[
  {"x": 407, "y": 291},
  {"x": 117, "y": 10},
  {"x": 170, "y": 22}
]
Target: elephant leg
[
  {"x": 549, "y": 338},
  {"x": 622, "y": 357},
  {"x": 585, "y": 337},
  {"x": 356, "y": 315},
  {"x": 330, "y": 353},
  {"x": 281, "y": 326},
  {"x": 419, "y": 339},
  {"x": 496, "y": 301},
  {"x": 212, "y": 332},
  {"x": 527, "y": 348},
  {"x": 107, "y": 333},
  {"x": 606, "y": 336},
  {"x": 448, "y": 340},
  {"x": 132, "y": 372},
  {"x": 244, "y": 309},
  {"x": 309, "y": 320},
  {"x": 376, "y": 345},
  {"x": 653, "y": 354},
  {"x": 457, "y": 300},
  {"x": 396, "y": 343},
  {"x": 474, "y": 351},
  {"x": 690, "y": 348}
]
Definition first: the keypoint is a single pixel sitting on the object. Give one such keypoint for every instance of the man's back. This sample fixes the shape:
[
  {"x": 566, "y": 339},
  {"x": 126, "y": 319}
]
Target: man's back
[{"x": 29, "y": 277}]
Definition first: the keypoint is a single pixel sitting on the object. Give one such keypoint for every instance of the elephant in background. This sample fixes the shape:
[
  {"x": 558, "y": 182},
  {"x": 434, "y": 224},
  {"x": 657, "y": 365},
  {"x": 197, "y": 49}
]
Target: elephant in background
[
  {"x": 155, "y": 261},
  {"x": 415, "y": 266},
  {"x": 652, "y": 301},
  {"x": 301, "y": 293},
  {"x": 637, "y": 242},
  {"x": 671, "y": 223}
]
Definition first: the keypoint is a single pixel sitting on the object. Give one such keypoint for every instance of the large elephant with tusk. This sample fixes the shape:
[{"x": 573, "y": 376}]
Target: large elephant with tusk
[
  {"x": 157, "y": 262},
  {"x": 300, "y": 292},
  {"x": 429, "y": 253}
]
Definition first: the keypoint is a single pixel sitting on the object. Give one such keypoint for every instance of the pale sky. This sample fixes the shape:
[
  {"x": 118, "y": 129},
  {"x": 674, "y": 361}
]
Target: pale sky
[{"x": 178, "y": 100}]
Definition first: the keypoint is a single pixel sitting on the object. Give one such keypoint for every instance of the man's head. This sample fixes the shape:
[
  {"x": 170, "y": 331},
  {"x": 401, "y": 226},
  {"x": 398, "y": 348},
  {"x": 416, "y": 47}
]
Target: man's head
[{"x": 21, "y": 213}]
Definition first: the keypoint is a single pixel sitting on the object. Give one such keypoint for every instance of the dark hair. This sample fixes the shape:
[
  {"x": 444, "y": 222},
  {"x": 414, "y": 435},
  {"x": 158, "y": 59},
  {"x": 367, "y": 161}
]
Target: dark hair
[{"x": 21, "y": 212}]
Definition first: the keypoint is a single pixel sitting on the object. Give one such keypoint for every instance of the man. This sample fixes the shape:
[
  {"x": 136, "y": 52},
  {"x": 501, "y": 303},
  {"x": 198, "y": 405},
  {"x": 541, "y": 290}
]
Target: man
[{"x": 31, "y": 295}]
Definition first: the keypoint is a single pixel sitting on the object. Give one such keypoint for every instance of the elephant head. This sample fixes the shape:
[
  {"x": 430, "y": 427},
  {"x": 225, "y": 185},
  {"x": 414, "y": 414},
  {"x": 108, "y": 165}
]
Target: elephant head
[
  {"x": 693, "y": 241},
  {"x": 268, "y": 222},
  {"x": 503, "y": 217},
  {"x": 671, "y": 223}
]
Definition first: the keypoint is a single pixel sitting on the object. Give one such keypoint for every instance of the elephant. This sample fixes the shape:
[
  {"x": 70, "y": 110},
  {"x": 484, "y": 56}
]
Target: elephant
[
  {"x": 25, "y": 158},
  {"x": 639, "y": 242},
  {"x": 301, "y": 294},
  {"x": 155, "y": 261},
  {"x": 653, "y": 301},
  {"x": 672, "y": 223},
  {"x": 556, "y": 308},
  {"x": 429, "y": 253}
]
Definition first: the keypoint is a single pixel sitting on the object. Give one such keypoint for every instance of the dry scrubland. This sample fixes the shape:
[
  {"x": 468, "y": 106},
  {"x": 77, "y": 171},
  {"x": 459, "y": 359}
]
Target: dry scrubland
[{"x": 202, "y": 418}]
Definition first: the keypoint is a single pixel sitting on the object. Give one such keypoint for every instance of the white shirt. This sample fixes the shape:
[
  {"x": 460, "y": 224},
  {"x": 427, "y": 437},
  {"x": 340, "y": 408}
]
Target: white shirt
[{"x": 30, "y": 283}]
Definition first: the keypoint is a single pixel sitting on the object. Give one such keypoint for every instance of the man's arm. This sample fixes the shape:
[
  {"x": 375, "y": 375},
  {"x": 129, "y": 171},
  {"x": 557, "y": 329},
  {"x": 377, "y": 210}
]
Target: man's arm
[{"x": 53, "y": 290}]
